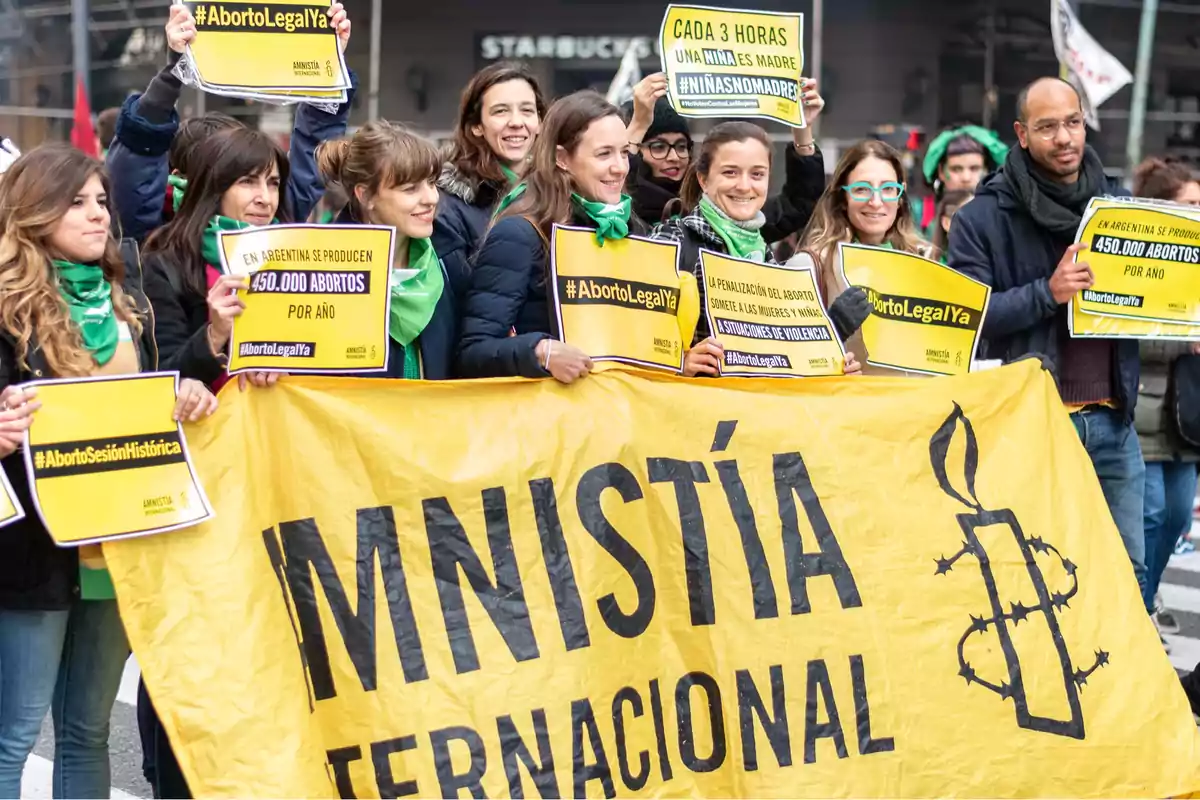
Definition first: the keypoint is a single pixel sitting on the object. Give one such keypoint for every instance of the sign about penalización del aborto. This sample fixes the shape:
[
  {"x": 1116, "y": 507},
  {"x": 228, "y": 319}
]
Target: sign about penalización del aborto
[{"x": 643, "y": 585}]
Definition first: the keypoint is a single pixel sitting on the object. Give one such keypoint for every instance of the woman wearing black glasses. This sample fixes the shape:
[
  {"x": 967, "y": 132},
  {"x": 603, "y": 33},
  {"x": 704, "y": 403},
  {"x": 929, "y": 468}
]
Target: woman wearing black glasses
[
  {"x": 660, "y": 146},
  {"x": 862, "y": 206}
]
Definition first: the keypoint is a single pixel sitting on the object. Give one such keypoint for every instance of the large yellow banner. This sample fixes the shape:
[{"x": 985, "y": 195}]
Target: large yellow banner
[
  {"x": 272, "y": 47},
  {"x": 106, "y": 460},
  {"x": 617, "y": 302},
  {"x": 722, "y": 63},
  {"x": 639, "y": 585},
  {"x": 769, "y": 318},
  {"x": 925, "y": 317},
  {"x": 319, "y": 297}
]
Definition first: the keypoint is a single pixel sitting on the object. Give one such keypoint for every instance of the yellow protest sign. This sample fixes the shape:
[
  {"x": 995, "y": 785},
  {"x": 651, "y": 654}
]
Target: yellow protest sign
[
  {"x": 769, "y": 318},
  {"x": 276, "y": 46},
  {"x": 319, "y": 297},
  {"x": 722, "y": 63},
  {"x": 638, "y": 585},
  {"x": 617, "y": 302},
  {"x": 1146, "y": 263},
  {"x": 1085, "y": 325},
  {"x": 11, "y": 509},
  {"x": 106, "y": 460},
  {"x": 925, "y": 317}
]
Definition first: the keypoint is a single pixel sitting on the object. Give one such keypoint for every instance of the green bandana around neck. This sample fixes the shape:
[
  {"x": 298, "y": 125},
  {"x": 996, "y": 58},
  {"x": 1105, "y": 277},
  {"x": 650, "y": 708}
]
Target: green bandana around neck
[
  {"x": 884, "y": 245},
  {"x": 513, "y": 195},
  {"x": 178, "y": 185},
  {"x": 415, "y": 292},
  {"x": 88, "y": 296},
  {"x": 742, "y": 242},
  {"x": 612, "y": 221},
  {"x": 513, "y": 177},
  {"x": 209, "y": 249}
]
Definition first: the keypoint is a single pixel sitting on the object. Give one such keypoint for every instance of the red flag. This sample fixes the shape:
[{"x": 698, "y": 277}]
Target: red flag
[{"x": 83, "y": 135}]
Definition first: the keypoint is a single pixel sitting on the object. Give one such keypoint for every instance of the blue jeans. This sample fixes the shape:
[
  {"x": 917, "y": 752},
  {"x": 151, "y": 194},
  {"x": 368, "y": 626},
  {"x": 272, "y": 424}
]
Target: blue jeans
[
  {"x": 72, "y": 661},
  {"x": 31, "y": 645},
  {"x": 1116, "y": 455},
  {"x": 89, "y": 677},
  {"x": 1170, "y": 493}
]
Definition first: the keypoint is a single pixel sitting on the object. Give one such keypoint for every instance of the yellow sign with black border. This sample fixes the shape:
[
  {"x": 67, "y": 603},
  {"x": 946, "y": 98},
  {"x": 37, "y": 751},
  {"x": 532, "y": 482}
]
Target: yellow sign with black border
[
  {"x": 617, "y": 302},
  {"x": 769, "y": 318},
  {"x": 925, "y": 316},
  {"x": 1088, "y": 325},
  {"x": 106, "y": 460},
  {"x": 722, "y": 63},
  {"x": 1146, "y": 263},
  {"x": 275, "y": 46},
  {"x": 319, "y": 298},
  {"x": 11, "y": 509}
]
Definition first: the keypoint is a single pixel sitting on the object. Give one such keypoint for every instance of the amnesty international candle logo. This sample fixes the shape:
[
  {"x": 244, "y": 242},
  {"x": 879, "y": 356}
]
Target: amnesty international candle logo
[
  {"x": 318, "y": 301},
  {"x": 124, "y": 472},
  {"x": 925, "y": 316},
  {"x": 617, "y": 302},
  {"x": 1021, "y": 599},
  {"x": 769, "y": 318},
  {"x": 733, "y": 63},
  {"x": 270, "y": 47}
]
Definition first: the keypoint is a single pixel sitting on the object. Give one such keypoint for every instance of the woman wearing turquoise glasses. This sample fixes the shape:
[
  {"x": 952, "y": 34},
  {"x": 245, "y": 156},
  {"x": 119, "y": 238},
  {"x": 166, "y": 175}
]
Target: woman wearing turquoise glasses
[{"x": 862, "y": 205}]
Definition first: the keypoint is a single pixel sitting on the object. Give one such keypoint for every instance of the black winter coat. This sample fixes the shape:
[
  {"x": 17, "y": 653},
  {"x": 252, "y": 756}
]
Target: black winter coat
[
  {"x": 35, "y": 574},
  {"x": 464, "y": 212},
  {"x": 995, "y": 240},
  {"x": 181, "y": 323},
  {"x": 506, "y": 312}
]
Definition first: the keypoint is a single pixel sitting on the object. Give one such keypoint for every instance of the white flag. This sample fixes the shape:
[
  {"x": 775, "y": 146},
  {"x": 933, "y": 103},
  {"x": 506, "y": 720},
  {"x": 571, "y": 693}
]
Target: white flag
[
  {"x": 629, "y": 74},
  {"x": 1092, "y": 70}
]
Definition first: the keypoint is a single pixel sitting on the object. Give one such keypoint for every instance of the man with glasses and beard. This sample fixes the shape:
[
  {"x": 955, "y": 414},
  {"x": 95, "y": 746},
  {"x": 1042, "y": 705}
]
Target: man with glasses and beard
[{"x": 1017, "y": 236}]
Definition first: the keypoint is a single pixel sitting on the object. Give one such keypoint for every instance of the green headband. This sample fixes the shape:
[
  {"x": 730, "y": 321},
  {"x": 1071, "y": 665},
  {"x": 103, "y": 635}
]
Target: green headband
[{"x": 992, "y": 146}]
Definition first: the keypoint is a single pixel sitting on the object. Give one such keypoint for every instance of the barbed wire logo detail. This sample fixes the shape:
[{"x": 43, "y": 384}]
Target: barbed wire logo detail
[{"x": 1047, "y": 607}]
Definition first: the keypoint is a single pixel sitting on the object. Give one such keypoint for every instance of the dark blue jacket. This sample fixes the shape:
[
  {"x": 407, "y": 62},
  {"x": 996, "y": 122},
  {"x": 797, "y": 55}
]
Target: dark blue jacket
[
  {"x": 437, "y": 342},
  {"x": 996, "y": 241},
  {"x": 507, "y": 312},
  {"x": 464, "y": 212},
  {"x": 138, "y": 163}
]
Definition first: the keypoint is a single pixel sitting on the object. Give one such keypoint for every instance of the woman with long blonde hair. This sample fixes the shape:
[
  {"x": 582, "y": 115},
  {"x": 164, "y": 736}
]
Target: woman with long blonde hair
[
  {"x": 64, "y": 312},
  {"x": 863, "y": 204}
]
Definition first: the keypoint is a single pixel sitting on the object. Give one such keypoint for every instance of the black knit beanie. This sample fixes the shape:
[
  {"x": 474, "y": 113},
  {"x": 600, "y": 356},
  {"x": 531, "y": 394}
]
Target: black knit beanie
[{"x": 666, "y": 120}]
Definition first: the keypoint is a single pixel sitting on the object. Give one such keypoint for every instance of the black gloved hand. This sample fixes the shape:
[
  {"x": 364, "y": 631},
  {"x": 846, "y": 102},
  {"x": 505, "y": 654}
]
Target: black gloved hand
[{"x": 849, "y": 311}]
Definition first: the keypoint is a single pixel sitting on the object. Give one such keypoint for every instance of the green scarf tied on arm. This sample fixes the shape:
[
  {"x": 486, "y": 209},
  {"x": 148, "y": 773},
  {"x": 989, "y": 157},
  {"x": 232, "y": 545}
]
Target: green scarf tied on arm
[
  {"x": 209, "y": 249},
  {"x": 415, "y": 293},
  {"x": 742, "y": 239},
  {"x": 178, "y": 185},
  {"x": 88, "y": 296},
  {"x": 612, "y": 221}
]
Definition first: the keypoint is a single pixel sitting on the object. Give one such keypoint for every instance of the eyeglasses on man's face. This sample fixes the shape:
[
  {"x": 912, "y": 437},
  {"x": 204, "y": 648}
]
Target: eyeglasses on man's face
[
  {"x": 862, "y": 192},
  {"x": 1048, "y": 129},
  {"x": 659, "y": 149}
]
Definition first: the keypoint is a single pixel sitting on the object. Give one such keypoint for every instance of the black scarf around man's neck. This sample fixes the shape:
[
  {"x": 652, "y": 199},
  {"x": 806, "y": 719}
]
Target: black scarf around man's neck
[{"x": 1057, "y": 207}]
